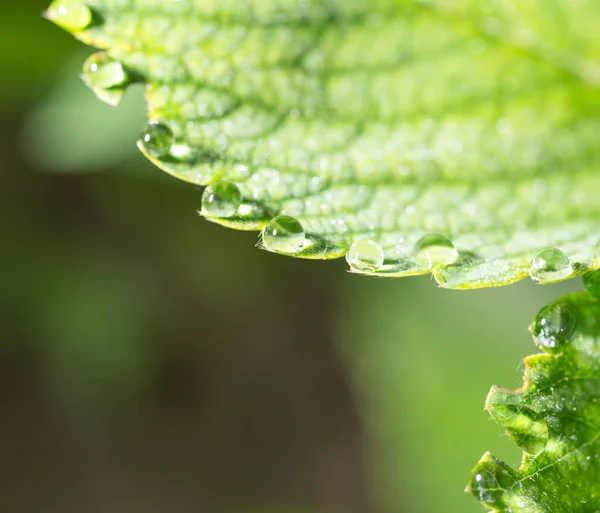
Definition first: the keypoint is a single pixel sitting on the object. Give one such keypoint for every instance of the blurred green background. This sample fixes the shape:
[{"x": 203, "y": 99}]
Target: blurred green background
[{"x": 153, "y": 362}]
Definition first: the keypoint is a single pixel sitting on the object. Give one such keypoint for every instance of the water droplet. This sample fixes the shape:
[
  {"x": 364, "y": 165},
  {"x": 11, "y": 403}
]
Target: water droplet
[
  {"x": 365, "y": 255},
  {"x": 315, "y": 184},
  {"x": 554, "y": 325},
  {"x": 103, "y": 72},
  {"x": 284, "y": 234},
  {"x": 482, "y": 485},
  {"x": 592, "y": 283},
  {"x": 550, "y": 265},
  {"x": 221, "y": 199},
  {"x": 71, "y": 15},
  {"x": 435, "y": 250},
  {"x": 490, "y": 481},
  {"x": 156, "y": 139}
]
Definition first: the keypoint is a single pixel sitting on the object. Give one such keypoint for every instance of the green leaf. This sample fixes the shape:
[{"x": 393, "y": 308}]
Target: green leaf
[
  {"x": 374, "y": 123},
  {"x": 554, "y": 418}
]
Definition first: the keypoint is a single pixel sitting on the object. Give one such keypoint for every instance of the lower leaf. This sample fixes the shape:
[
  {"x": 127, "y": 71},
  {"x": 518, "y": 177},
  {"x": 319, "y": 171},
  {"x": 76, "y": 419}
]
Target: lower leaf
[{"x": 554, "y": 418}]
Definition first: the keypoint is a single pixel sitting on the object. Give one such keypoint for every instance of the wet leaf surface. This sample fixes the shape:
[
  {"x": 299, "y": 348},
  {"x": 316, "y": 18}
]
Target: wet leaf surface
[{"x": 458, "y": 138}]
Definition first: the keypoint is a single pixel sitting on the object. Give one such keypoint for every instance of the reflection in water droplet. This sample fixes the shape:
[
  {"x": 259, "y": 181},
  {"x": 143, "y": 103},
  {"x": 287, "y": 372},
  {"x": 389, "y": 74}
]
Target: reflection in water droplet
[
  {"x": 554, "y": 326},
  {"x": 365, "y": 255},
  {"x": 483, "y": 484},
  {"x": 490, "y": 482},
  {"x": 72, "y": 15},
  {"x": 221, "y": 199},
  {"x": 156, "y": 139},
  {"x": 103, "y": 72},
  {"x": 284, "y": 234},
  {"x": 592, "y": 283},
  {"x": 435, "y": 250},
  {"x": 549, "y": 265}
]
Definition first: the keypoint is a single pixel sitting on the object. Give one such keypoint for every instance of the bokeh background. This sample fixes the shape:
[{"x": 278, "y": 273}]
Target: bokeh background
[{"x": 153, "y": 362}]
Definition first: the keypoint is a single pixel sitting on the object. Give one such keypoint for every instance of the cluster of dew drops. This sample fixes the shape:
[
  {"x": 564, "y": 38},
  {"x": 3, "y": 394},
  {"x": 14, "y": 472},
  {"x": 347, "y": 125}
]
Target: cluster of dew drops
[{"x": 283, "y": 234}]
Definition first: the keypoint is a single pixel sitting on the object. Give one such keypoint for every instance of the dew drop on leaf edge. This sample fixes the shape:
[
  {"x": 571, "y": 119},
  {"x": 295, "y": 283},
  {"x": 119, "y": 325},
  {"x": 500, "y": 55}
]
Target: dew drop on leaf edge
[
  {"x": 549, "y": 265},
  {"x": 221, "y": 199},
  {"x": 434, "y": 250},
  {"x": 156, "y": 139},
  {"x": 284, "y": 234},
  {"x": 485, "y": 484},
  {"x": 103, "y": 72},
  {"x": 365, "y": 255},
  {"x": 482, "y": 485},
  {"x": 592, "y": 283},
  {"x": 71, "y": 15},
  {"x": 554, "y": 326},
  {"x": 490, "y": 480}
]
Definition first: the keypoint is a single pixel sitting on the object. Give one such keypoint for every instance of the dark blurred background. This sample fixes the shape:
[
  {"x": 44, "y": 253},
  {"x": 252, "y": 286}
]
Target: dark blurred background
[{"x": 153, "y": 362}]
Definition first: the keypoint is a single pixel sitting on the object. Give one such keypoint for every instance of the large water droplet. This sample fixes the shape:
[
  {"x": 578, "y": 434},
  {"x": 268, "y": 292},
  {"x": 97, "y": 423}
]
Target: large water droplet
[
  {"x": 71, "y": 15},
  {"x": 103, "y": 72},
  {"x": 554, "y": 325},
  {"x": 592, "y": 283},
  {"x": 284, "y": 234},
  {"x": 484, "y": 485},
  {"x": 549, "y": 265},
  {"x": 365, "y": 255},
  {"x": 490, "y": 481},
  {"x": 156, "y": 139},
  {"x": 435, "y": 250},
  {"x": 221, "y": 199}
]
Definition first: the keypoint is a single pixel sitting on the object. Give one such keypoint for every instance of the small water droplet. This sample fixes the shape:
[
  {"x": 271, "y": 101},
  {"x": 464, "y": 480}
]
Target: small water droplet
[
  {"x": 284, "y": 234},
  {"x": 592, "y": 283},
  {"x": 550, "y": 265},
  {"x": 554, "y": 326},
  {"x": 315, "y": 184},
  {"x": 103, "y": 72},
  {"x": 71, "y": 15},
  {"x": 221, "y": 199},
  {"x": 365, "y": 255},
  {"x": 156, "y": 139},
  {"x": 435, "y": 250}
]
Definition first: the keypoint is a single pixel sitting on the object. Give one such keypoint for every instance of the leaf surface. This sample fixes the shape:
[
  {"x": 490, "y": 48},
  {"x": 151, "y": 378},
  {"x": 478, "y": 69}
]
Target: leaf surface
[
  {"x": 554, "y": 418},
  {"x": 471, "y": 123}
]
